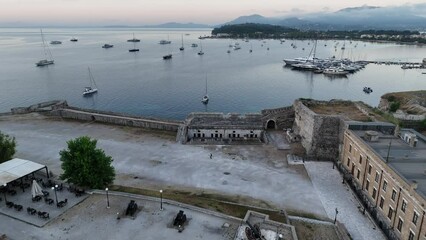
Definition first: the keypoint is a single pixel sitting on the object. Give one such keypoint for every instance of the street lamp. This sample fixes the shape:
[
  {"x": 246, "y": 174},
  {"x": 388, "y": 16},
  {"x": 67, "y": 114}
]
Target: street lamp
[
  {"x": 335, "y": 216},
  {"x": 56, "y": 195},
  {"x": 106, "y": 189},
  {"x": 5, "y": 185},
  {"x": 161, "y": 199}
]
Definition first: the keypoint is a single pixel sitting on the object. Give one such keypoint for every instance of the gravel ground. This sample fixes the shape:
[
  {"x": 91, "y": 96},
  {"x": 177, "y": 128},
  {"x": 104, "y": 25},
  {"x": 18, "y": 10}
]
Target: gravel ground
[
  {"x": 333, "y": 194},
  {"x": 150, "y": 159}
]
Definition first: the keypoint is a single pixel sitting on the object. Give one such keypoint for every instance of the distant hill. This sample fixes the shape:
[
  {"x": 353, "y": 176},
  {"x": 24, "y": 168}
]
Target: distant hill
[
  {"x": 179, "y": 25},
  {"x": 354, "y": 18},
  {"x": 252, "y": 30}
]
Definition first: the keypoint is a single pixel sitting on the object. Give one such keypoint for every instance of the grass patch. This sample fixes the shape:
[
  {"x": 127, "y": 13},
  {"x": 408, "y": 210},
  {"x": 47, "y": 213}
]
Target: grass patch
[{"x": 215, "y": 202}]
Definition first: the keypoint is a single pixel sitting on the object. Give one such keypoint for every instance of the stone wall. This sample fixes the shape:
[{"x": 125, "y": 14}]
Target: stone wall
[
  {"x": 117, "y": 119},
  {"x": 283, "y": 117},
  {"x": 320, "y": 134}
]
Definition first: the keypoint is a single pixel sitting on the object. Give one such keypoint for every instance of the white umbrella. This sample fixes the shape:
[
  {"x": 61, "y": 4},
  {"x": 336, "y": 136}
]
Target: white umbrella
[{"x": 36, "y": 189}]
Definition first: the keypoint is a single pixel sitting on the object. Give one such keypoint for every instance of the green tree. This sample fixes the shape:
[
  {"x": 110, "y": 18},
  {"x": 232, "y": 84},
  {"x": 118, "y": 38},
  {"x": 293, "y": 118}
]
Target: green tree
[
  {"x": 7, "y": 147},
  {"x": 394, "y": 106},
  {"x": 85, "y": 165}
]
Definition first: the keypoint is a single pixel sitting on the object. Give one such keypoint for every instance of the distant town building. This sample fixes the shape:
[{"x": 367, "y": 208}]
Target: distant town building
[{"x": 387, "y": 167}]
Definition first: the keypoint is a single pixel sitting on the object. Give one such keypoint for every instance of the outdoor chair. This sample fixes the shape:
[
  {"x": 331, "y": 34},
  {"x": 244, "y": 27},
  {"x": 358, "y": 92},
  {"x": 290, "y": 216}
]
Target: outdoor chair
[
  {"x": 31, "y": 211},
  {"x": 48, "y": 201},
  {"x": 10, "y": 204},
  {"x": 62, "y": 203},
  {"x": 45, "y": 193},
  {"x": 43, "y": 215},
  {"x": 36, "y": 198},
  {"x": 11, "y": 192},
  {"x": 18, "y": 207}
]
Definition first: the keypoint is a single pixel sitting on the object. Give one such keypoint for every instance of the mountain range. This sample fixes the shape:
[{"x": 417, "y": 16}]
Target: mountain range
[{"x": 405, "y": 17}]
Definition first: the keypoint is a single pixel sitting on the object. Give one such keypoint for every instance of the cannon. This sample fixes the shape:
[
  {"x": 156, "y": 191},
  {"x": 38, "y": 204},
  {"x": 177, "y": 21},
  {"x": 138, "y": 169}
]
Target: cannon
[
  {"x": 180, "y": 219},
  {"x": 253, "y": 232},
  {"x": 131, "y": 208}
]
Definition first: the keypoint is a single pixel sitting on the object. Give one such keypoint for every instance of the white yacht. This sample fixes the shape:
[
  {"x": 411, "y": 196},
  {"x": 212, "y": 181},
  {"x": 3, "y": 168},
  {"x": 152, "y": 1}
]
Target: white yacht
[
  {"x": 55, "y": 42},
  {"x": 162, "y": 42},
  {"x": 335, "y": 71},
  {"x": 49, "y": 59}
]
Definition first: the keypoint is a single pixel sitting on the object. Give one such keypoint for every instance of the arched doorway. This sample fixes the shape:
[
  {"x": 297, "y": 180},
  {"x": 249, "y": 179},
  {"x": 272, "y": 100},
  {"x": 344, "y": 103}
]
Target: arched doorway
[{"x": 270, "y": 124}]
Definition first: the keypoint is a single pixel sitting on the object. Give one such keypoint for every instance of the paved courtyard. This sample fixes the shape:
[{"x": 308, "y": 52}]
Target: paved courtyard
[
  {"x": 153, "y": 160},
  {"x": 92, "y": 220}
]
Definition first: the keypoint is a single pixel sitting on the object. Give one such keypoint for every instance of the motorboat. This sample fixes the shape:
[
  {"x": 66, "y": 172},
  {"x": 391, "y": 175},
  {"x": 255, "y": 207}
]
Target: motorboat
[
  {"x": 44, "y": 62},
  {"x": 236, "y": 47},
  {"x": 335, "y": 71},
  {"x": 134, "y": 50},
  {"x": 74, "y": 40},
  {"x": 367, "y": 90},
  {"x": 107, "y": 46},
  {"x": 168, "y": 56},
  {"x": 194, "y": 45},
  {"x": 55, "y": 42},
  {"x": 205, "y": 98}
]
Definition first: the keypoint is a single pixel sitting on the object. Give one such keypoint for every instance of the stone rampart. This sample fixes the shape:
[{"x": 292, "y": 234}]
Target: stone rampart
[
  {"x": 320, "y": 134},
  {"x": 61, "y": 109}
]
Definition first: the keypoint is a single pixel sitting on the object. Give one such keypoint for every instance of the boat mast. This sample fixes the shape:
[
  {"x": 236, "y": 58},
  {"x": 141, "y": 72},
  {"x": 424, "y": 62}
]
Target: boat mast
[
  {"x": 92, "y": 80},
  {"x": 46, "y": 49},
  {"x": 182, "y": 40},
  {"x": 206, "y": 84}
]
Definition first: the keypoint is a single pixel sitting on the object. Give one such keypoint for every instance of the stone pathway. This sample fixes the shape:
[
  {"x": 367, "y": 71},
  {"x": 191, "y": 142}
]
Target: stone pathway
[{"x": 333, "y": 194}]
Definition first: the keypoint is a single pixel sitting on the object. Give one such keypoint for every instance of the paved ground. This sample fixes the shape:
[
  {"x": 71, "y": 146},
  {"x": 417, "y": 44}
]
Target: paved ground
[
  {"x": 150, "y": 159},
  {"x": 333, "y": 194},
  {"x": 92, "y": 220}
]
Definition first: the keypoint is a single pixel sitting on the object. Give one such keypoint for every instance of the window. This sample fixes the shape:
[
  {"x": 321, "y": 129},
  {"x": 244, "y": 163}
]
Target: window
[
  {"x": 415, "y": 217},
  {"x": 404, "y": 205},
  {"x": 390, "y": 213},
  {"x": 376, "y": 178},
  {"x": 399, "y": 226},
  {"x": 385, "y": 185},
  {"x": 411, "y": 235},
  {"x": 349, "y": 162},
  {"x": 358, "y": 173},
  {"x": 382, "y": 200},
  {"x": 367, "y": 185},
  {"x": 393, "y": 195},
  {"x": 374, "y": 193},
  {"x": 360, "y": 159},
  {"x": 350, "y": 148},
  {"x": 369, "y": 168}
]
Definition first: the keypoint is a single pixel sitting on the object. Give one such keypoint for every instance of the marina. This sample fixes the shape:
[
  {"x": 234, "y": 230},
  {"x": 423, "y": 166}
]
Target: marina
[{"x": 145, "y": 84}]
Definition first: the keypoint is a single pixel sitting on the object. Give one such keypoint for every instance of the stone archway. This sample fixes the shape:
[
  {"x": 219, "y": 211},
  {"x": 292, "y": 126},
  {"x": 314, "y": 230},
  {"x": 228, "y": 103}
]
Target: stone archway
[{"x": 270, "y": 124}]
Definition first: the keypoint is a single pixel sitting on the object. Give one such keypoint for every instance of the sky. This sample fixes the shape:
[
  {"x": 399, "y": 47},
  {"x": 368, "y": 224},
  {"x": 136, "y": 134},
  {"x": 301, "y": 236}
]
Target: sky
[{"x": 140, "y": 12}]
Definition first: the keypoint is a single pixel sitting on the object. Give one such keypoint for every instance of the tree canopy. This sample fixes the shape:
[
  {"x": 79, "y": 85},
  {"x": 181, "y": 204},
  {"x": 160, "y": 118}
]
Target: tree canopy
[
  {"x": 7, "y": 147},
  {"x": 85, "y": 165}
]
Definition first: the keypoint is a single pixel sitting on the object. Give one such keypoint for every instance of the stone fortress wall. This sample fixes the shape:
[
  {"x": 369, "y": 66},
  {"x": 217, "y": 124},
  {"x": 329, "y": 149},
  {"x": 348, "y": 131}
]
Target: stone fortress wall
[
  {"x": 61, "y": 109},
  {"x": 321, "y": 135}
]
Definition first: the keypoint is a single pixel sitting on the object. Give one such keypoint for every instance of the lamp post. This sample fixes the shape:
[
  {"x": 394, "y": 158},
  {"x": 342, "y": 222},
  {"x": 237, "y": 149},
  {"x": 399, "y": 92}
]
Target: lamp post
[
  {"x": 161, "y": 199},
  {"x": 5, "y": 185},
  {"x": 335, "y": 216},
  {"x": 106, "y": 189},
  {"x": 56, "y": 195}
]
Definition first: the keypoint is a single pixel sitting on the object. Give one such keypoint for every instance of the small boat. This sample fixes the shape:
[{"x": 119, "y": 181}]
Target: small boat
[
  {"x": 49, "y": 59},
  {"x": 229, "y": 51},
  {"x": 194, "y": 45},
  {"x": 236, "y": 47},
  {"x": 55, "y": 42},
  {"x": 335, "y": 71},
  {"x": 201, "y": 49},
  {"x": 205, "y": 98},
  {"x": 74, "y": 40},
  {"x": 168, "y": 56},
  {"x": 107, "y": 46},
  {"x": 367, "y": 90},
  {"x": 133, "y": 39},
  {"x": 182, "y": 48},
  {"x": 92, "y": 89},
  {"x": 162, "y": 42}
]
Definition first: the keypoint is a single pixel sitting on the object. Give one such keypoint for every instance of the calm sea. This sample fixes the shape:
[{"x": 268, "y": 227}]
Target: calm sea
[{"x": 144, "y": 84}]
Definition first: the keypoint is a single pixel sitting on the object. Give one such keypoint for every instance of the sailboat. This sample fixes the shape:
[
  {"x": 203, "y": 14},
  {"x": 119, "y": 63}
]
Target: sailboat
[
  {"x": 134, "y": 40},
  {"x": 167, "y": 56},
  {"x": 47, "y": 53},
  {"x": 90, "y": 90},
  {"x": 251, "y": 48},
  {"x": 205, "y": 99},
  {"x": 182, "y": 48},
  {"x": 201, "y": 50}
]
